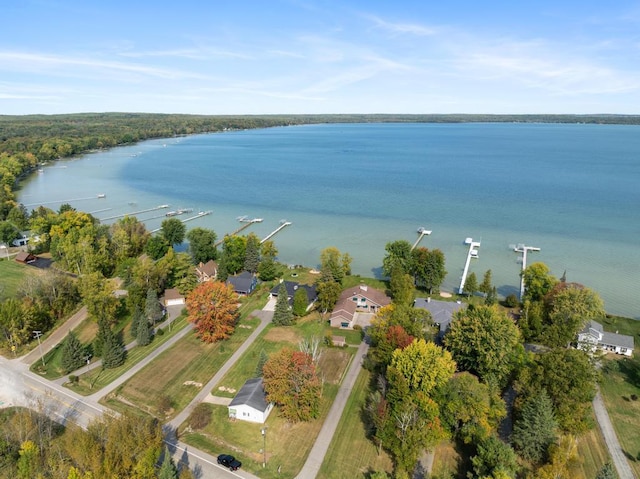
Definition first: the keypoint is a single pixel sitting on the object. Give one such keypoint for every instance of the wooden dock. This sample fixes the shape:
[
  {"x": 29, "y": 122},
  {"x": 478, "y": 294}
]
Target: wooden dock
[
  {"x": 472, "y": 253},
  {"x": 243, "y": 219},
  {"x": 421, "y": 233},
  {"x": 283, "y": 224},
  {"x": 133, "y": 213},
  {"x": 199, "y": 215},
  {"x": 521, "y": 248}
]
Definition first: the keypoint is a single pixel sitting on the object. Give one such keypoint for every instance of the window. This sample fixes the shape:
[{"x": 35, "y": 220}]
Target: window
[{"x": 344, "y": 325}]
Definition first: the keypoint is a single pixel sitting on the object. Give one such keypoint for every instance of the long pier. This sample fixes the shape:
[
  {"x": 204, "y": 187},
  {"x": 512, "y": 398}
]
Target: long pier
[
  {"x": 421, "y": 233},
  {"x": 521, "y": 248},
  {"x": 132, "y": 213},
  {"x": 199, "y": 215},
  {"x": 473, "y": 253},
  {"x": 283, "y": 224},
  {"x": 243, "y": 219},
  {"x": 98, "y": 196}
]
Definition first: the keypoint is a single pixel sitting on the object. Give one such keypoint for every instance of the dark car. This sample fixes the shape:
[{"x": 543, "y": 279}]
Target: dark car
[{"x": 229, "y": 461}]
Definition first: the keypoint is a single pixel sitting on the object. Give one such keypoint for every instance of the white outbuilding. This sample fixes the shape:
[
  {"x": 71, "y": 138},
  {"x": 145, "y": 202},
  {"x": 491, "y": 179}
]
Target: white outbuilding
[{"x": 250, "y": 404}]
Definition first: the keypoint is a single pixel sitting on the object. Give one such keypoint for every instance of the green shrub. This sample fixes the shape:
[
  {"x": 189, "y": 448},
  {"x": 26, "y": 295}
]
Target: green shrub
[{"x": 511, "y": 301}]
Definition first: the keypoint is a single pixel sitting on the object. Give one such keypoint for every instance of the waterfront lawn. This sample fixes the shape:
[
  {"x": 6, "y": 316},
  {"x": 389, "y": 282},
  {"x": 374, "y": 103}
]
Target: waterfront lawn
[
  {"x": 619, "y": 385},
  {"x": 351, "y": 453},
  {"x": 176, "y": 376}
]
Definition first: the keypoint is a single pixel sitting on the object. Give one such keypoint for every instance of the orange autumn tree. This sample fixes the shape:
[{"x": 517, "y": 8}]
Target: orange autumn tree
[
  {"x": 212, "y": 308},
  {"x": 292, "y": 382}
]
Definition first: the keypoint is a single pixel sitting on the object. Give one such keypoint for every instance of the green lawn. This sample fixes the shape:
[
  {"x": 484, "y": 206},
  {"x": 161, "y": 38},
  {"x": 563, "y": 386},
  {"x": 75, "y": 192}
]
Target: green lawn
[
  {"x": 98, "y": 378},
  {"x": 351, "y": 454},
  {"x": 11, "y": 276},
  {"x": 178, "y": 373}
]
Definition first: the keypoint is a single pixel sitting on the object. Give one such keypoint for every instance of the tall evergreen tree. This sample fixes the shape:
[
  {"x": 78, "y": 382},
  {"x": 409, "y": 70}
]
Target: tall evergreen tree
[
  {"x": 261, "y": 362},
  {"x": 471, "y": 284},
  {"x": 136, "y": 319},
  {"x": 168, "y": 469},
  {"x": 152, "y": 307},
  {"x": 143, "y": 336},
  {"x": 113, "y": 352},
  {"x": 486, "y": 286},
  {"x": 536, "y": 429},
  {"x": 72, "y": 353},
  {"x": 101, "y": 337},
  {"x": 282, "y": 316},
  {"x": 252, "y": 257}
]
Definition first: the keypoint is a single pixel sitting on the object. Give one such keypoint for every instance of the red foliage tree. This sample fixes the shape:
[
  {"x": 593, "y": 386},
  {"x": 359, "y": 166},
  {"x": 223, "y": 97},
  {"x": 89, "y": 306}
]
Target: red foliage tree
[
  {"x": 212, "y": 308},
  {"x": 291, "y": 381}
]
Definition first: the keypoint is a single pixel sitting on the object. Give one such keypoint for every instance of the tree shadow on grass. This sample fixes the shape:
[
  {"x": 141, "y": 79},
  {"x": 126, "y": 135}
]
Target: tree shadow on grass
[{"x": 630, "y": 369}]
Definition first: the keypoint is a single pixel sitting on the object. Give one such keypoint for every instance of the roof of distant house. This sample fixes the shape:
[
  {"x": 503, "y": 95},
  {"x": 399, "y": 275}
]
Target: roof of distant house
[
  {"x": 209, "y": 268},
  {"x": 242, "y": 283},
  {"x": 612, "y": 339},
  {"x": 371, "y": 294},
  {"x": 292, "y": 287},
  {"x": 251, "y": 394}
]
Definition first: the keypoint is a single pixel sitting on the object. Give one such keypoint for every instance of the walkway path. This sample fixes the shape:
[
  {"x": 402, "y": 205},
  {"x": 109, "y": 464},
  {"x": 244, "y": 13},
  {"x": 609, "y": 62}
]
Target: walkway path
[
  {"x": 615, "y": 450},
  {"x": 319, "y": 450},
  {"x": 265, "y": 319}
]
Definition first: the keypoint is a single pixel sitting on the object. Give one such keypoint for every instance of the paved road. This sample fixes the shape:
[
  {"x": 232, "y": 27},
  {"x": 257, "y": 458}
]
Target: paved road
[
  {"x": 319, "y": 450},
  {"x": 615, "y": 450}
]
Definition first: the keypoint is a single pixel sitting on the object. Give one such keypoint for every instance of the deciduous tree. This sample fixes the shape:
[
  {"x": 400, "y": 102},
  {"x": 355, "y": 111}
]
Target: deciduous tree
[
  {"x": 538, "y": 281},
  {"x": 398, "y": 255},
  {"x": 173, "y": 231},
  {"x": 291, "y": 381},
  {"x": 328, "y": 295},
  {"x": 300, "y": 302},
  {"x": 401, "y": 286},
  {"x": 471, "y": 284},
  {"x": 428, "y": 268},
  {"x": 212, "y": 308},
  {"x": 486, "y": 342},
  {"x": 202, "y": 245}
]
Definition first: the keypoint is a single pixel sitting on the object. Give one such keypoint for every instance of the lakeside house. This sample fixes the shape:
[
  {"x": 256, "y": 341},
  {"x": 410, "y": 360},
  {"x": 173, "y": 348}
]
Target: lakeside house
[
  {"x": 292, "y": 287},
  {"x": 593, "y": 337},
  {"x": 207, "y": 271},
  {"x": 441, "y": 312},
  {"x": 250, "y": 404},
  {"x": 243, "y": 283},
  {"x": 363, "y": 299}
]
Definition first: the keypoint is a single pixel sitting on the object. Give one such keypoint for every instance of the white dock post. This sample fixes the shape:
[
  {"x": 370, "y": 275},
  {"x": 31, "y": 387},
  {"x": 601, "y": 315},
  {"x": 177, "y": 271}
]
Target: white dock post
[{"x": 521, "y": 248}]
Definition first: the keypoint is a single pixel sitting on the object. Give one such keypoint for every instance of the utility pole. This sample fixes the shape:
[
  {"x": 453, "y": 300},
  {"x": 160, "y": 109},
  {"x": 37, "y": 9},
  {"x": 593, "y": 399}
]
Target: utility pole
[{"x": 37, "y": 334}]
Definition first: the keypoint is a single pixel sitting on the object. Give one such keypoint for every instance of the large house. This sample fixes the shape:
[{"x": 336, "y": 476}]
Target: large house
[
  {"x": 292, "y": 287},
  {"x": 441, "y": 312},
  {"x": 593, "y": 337},
  {"x": 243, "y": 283},
  {"x": 362, "y": 298},
  {"x": 207, "y": 271},
  {"x": 250, "y": 404}
]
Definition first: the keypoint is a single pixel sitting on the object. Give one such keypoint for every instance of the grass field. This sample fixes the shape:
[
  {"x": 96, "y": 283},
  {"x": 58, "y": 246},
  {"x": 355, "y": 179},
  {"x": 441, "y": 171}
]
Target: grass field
[
  {"x": 351, "y": 454},
  {"x": 621, "y": 381},
  {"x": 184, "y": 368},
  {"x": 11, "y": 275},
  {"x": 289, "y": 444}
]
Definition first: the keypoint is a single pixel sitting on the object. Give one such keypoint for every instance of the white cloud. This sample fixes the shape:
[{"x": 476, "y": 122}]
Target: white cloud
[{"x": 402, "y": 28}]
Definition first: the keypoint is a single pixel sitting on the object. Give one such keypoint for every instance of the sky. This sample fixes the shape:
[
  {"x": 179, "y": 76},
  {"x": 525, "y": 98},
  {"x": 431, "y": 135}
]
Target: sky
[{"x": 316, "y": 56}]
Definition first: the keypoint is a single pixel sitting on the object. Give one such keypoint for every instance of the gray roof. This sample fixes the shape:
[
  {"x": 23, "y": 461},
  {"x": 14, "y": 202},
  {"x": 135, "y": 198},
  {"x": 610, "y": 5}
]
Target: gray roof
[
  {"x": 243, "y": 282},
  {"x": 251, "y": 394},
  {"x": 441, "y": 311},
  {"x": 591, "y": 324},
  {"x": 292, "y": 287},
  {"x": 614, "y": 339}
]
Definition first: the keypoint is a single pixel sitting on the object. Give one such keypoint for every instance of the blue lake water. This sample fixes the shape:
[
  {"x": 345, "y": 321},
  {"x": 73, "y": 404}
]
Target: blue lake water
[{"x": 571, "y": 190}]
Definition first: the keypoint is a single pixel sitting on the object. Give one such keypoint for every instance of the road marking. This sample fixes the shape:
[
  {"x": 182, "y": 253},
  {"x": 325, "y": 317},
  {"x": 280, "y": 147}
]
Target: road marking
[{"x": 49, "y": 385}]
